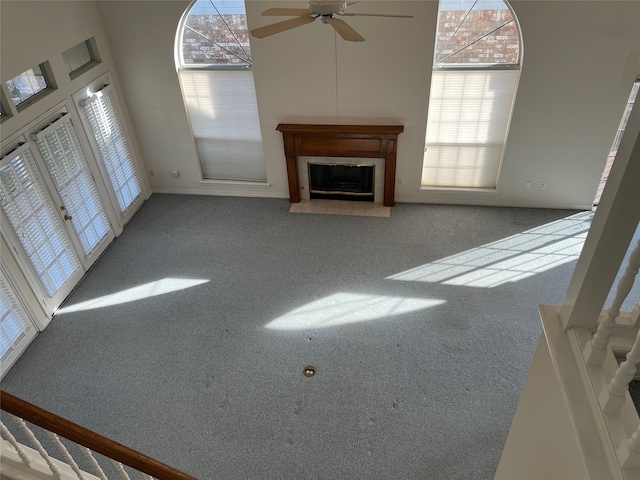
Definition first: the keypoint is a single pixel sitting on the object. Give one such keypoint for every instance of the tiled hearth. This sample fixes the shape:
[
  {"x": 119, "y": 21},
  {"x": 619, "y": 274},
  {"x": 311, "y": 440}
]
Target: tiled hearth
[{"x": 341, "y": 207}]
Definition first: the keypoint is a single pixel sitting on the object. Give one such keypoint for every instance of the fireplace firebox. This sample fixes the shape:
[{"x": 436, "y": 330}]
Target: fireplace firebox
[{"x": 341, "y": 181}]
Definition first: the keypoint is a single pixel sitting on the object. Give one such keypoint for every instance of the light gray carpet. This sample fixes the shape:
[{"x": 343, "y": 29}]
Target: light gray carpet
[{"x": 194, "y": 378}]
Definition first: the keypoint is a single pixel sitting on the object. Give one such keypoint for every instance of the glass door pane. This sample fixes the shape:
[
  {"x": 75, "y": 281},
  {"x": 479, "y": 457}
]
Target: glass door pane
[
  {"x": 62, "y": 154},
  {"x": 37, "y": 227}
]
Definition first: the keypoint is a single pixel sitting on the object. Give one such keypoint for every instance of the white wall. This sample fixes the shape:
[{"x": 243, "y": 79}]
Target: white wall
[{"x": 580, "y": 60}]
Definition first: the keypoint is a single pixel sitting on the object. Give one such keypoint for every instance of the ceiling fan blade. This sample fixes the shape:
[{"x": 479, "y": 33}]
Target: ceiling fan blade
[
  {"x": 374, "y": 15},
  {"x": 345, "y": 31},
  {"x": 274, "y": 28},
  {"x": 286, "y": 12}
]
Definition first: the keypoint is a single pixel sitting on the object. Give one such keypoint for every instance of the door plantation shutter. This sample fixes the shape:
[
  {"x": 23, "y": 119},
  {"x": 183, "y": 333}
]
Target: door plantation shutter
[
  {"x": 112, "y": 144},
  {"x": 62, "y": 154},
  {"x": 224, "y": 118},
  {"x": 14, "y": 321},
  {"x": 35, "y": 222},
  {"x": 469, "y": 114}
]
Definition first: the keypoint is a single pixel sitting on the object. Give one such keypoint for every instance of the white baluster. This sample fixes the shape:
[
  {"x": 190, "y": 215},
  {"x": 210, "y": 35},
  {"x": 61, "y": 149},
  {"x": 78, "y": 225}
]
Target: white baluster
[
  {"x": 120, "y": 469},
  {"x": 612, "y": 396},
  {"x": 24, "y": 456},
  {"x": 595, "y": 351},
  {"x": 635, "y": 315},
  {"x": 629, "y": 451},
  {"x": 94, "y": 463},
  {"x": 147, "y": 477},
  {"x": 66, "y": 455},
  {"x": 38, "y": 446}
]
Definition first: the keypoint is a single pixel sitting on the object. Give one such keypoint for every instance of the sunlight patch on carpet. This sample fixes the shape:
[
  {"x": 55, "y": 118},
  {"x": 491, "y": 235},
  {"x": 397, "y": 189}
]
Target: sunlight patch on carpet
[
  {"x": 346, "y": 308},
  {"x": 151, "y": 289},
  {"x": 510, "y": 259}
]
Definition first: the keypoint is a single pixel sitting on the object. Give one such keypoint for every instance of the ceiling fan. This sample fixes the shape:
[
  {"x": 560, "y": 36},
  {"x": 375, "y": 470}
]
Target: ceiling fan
[{"x": 326, "y": 10}]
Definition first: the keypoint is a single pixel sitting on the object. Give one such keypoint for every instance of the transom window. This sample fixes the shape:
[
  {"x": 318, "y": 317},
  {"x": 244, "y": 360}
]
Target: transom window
[
  {"x": 28, "y": 84},
  {"x": 476, "y": 32},
  {"x": 80, "y": 57},
  {"x": 216, "y": 34},
  {"x": 475, "y": 75},
  {"x": 214, "y": 65}
]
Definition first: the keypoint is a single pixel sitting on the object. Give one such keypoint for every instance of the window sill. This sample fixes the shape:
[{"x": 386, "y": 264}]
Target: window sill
[
  {"x": 242, "y": 183},
  {"x": 457, "y": 190}
]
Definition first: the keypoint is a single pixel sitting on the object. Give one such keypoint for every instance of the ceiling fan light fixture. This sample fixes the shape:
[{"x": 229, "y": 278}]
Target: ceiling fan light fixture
[{"x": 326, "y": 7}]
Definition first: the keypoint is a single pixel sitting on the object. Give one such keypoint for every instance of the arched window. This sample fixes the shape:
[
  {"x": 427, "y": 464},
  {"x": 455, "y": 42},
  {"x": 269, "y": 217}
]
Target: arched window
[
  {"x": 476, "y": 70},
  {"x": 215, "y": 69}
]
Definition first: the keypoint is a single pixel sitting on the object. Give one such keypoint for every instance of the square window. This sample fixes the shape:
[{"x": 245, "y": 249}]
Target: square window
[
  {"x": 77, "y": 57},
  {"x": 27, "y": 84}
]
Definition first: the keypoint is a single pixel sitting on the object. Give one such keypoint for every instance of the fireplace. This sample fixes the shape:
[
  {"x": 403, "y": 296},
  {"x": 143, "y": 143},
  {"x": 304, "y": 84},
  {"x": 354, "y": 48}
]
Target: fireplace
[
  {"x": 378, "y": 142},
  {"x": 341, "y": 181}
]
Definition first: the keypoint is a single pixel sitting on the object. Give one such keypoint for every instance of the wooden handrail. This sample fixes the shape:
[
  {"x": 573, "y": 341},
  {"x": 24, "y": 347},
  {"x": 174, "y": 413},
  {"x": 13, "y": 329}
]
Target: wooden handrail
[{"x": 89, "y": 439}]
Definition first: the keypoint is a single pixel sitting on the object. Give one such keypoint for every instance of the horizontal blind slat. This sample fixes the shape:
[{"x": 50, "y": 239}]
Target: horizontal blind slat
[
  {"x": 468, "y": 120},
  {"x": 223, "y": 112}
]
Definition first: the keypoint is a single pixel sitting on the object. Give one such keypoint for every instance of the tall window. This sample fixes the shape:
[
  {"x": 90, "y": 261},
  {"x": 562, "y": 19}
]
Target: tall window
[
  {"x": 475, "y": 76},
  {"x": 616, "y": 141},
  {"x": 215, "y": 69},
  {"x": 102, "y": 119}
]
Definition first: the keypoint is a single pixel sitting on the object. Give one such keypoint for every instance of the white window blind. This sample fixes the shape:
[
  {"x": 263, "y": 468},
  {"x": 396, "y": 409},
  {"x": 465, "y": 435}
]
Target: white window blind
[
  {"x": 107, "y": 130},
  {"x": 30, "y": 211},
  {"x": 62, "y": 154},
  {"x": 469, "y": 114},
  {"x": 14, "y": 321},
  {"x": 223, "y": 111}
]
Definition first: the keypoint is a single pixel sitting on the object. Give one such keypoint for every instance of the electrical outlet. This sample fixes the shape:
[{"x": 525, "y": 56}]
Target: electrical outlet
[
  {"x": 543, "y": 185},
  {"x": 401, "y": 181},
  {"x": 175, "y": 173},
  {"x": 527, "y": 185},
  {"x": 152, "y": 173}
]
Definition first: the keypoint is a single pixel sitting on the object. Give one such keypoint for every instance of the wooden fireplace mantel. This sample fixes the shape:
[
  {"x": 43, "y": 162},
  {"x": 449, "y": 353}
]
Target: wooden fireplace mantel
[{"x": 363, "y": 141}]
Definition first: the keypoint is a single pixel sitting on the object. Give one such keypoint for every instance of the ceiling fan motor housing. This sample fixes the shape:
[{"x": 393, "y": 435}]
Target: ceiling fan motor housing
[{"x": 326, "y": 7}]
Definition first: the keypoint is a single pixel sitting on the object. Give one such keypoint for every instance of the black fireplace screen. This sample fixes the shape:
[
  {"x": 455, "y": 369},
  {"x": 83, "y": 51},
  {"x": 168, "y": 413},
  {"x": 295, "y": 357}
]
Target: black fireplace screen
[{"x": 352, "y": 182}]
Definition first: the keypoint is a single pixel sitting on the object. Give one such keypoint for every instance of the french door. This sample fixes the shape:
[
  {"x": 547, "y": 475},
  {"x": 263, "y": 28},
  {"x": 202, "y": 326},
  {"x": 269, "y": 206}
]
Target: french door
[
  {"x": 50, "y": 199},
  {"x": 17, "y": 327},
  {"x": 74, "y": 189},
  {"x": 52, "y": 263}
]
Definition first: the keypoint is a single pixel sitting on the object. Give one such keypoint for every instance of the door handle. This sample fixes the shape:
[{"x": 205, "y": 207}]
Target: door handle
[{"x": 68, "y": 217}]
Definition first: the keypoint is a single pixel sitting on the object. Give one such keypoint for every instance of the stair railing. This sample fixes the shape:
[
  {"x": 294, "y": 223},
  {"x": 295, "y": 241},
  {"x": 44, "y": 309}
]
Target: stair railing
[
  {"x": 614, "y": 394},
  {"x": 595, "y": 351},
  {"x": 87, "y": 441}
]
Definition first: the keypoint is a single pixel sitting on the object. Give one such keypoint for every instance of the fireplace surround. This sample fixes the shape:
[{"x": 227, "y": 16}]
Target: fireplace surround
[{"x": 357, "y": 141}]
